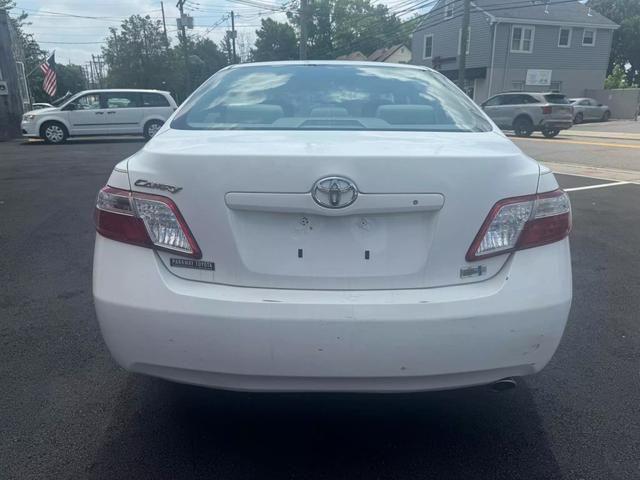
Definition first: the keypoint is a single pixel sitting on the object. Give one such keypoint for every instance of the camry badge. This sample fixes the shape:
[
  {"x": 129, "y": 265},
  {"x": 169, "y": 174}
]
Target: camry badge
[
  {"x": 334, "y": 192},
  {"x": 157, "y": 186}
]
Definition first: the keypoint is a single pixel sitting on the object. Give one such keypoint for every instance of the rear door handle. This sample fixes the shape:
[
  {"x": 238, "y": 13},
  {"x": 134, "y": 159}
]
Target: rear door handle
[
  {"x": 111, "y": 112},
  {"x": 99, "y": 113}
]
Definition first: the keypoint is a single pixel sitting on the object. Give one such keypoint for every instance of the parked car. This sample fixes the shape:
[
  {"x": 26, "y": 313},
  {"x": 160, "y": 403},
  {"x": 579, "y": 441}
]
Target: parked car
[
  {"x": 527, "y": 112},
  {"x": 38, "y": 106},
  {"x": 585, "y": 109},
  {"x": 332, "y": 226},
  {"x": 101, "y": 112}
]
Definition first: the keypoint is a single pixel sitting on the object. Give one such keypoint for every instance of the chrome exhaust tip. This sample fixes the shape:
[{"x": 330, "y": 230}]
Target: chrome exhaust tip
[{"x": 503, "y": 385}]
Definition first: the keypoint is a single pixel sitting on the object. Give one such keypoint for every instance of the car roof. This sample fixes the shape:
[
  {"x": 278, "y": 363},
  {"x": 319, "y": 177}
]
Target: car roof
[
  {"x": 116, "y": 90},
  {"x": 341, "y": 63}
]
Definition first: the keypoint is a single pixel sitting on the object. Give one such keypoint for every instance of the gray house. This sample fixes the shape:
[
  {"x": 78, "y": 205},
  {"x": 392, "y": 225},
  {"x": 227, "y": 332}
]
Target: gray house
[{"x": 518, "y": 45}]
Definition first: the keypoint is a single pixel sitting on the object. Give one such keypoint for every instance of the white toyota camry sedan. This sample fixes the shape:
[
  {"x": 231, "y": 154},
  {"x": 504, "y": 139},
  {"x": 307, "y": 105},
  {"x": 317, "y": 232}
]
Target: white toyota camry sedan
[{"x": 332, "y": 226}]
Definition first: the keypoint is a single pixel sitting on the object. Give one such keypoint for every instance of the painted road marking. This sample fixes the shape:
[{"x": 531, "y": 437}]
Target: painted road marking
[
  {"x": 600, "y": 185},
  {"x": 562, "y": 141}
]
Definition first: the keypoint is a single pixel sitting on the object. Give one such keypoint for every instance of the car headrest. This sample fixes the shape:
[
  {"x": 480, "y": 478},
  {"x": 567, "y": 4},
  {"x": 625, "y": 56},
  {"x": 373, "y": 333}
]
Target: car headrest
[
  {"x": 406, "y": 114},
  {"x": 258, "y": 114},
  {"x": 329, "y": 112}
]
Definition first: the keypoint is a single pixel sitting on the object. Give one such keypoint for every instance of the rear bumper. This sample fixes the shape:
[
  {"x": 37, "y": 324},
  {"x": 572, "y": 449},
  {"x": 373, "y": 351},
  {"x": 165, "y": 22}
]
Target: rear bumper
[
  {"x": 298, "y": 340},
  {"x": 556, "y": 124}
]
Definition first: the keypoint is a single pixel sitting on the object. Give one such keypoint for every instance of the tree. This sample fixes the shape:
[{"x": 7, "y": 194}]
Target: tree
[
  {"x": 617, "y": 78},
  {"x": 339, "y": 27},
  {"x": 136, "y": 55},
  {"x": 205, "y": 59},
  {"x": 275, "y": 41},
  {"x": 31, "y": 52},
  {"x": 244, "y": 41},
  {"x": 630, "y": 40},
  {"x": 227, "y": 48},
  {"x": 362, "y": 26},
  {"x": 69, "y": 78},
  {"x": 625, "y": 48}
]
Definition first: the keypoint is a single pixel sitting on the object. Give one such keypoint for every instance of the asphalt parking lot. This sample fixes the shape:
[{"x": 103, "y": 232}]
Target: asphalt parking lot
[{"x": 68, "y": 412}]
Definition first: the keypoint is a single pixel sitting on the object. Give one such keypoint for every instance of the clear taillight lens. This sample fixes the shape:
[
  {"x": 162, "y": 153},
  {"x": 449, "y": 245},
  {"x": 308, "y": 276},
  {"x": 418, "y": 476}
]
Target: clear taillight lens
[
  {"x": 145, "y": 220},
  {"x": 523, "y": 222}
]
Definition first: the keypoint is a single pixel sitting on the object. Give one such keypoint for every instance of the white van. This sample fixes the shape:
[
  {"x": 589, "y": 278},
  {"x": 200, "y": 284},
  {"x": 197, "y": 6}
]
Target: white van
[{"x": 101, "y": 112}]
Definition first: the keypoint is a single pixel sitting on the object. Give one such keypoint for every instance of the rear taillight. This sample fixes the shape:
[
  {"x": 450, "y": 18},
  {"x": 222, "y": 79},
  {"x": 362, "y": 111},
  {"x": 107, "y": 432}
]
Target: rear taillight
[
  {"x": 522, "y": 222},
  {"x": 547, "y": 110},
  {"x": 146, "y": 220}
]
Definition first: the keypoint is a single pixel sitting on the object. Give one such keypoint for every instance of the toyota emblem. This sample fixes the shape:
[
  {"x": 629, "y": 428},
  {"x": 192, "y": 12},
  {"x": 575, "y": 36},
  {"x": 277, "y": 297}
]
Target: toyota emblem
[{"x": 334, "y": 192}]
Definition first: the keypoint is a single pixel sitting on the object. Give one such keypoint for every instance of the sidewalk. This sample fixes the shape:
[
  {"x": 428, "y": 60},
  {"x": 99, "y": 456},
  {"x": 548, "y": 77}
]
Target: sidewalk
[{"x": 615, "y": 129}]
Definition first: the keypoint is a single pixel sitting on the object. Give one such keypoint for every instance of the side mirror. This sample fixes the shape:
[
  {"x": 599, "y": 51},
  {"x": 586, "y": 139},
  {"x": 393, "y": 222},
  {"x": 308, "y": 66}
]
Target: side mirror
[
  {"x": 600, "y": 105},
  {"x": 71, "y": 106}
]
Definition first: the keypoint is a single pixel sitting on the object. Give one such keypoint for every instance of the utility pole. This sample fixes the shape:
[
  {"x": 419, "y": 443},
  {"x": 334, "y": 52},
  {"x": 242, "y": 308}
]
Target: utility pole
[
  {"x": 185, "y": 53},
  {"x": 233, "y": 36},
  {"x": 97, "y": 68},
  {"x": 164, "y": 25},
  {"x": 304, "y": 11},
  {"x": 10, "y": 98},
  {"x": 464, "y": 42}
]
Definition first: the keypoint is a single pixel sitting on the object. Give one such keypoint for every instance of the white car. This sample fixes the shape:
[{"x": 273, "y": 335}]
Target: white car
[
  {"x": 101, "y": 112},
  {"x": 332, "y": 226}
]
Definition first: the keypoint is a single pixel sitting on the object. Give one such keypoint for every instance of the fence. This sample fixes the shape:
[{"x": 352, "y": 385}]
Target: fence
[{"x": 623, "y": 102}]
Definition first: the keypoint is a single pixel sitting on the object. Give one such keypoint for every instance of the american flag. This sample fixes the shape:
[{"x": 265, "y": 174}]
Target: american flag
[{"x": 49, "y": 69}]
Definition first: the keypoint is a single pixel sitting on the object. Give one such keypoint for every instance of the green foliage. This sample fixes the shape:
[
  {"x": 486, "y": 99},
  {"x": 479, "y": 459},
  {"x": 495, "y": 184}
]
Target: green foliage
[
  {"x": 68, "y": 77},
  {"x": 275, "y": 41},
  {"x": 617, "y": 78},
  {"x": 33, "y": 54},
  {"x": 629, "y": 33},
  {"x": 227, "y": 49},
  {"x": 339, "y": 27},
  {"x": 137, "y": 56},
  {"x": 626, "y": 40},
  {"x": 205, "y": 59}
]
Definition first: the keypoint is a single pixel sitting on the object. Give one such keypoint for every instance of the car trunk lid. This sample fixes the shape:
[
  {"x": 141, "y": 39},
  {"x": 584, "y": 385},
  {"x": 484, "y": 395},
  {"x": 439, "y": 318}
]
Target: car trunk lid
[{"x": 421, "y": 199}]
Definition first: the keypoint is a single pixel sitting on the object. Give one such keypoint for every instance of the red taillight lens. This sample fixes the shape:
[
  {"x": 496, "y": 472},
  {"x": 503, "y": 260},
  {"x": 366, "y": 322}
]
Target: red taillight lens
[
  {"x": 547, "y": 110},
  {"x": 146, "y": 220},
  {"x": 522, "y": 222}
]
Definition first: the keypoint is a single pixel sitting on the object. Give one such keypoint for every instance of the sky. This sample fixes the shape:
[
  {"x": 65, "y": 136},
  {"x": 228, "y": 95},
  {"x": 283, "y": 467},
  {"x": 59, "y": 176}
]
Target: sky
[{"x": 64, "y": 26}]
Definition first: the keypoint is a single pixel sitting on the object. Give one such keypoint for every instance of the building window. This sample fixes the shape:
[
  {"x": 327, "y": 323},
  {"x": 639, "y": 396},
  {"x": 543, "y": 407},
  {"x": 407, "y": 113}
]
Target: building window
[
  {"x": 522, "y": 39},
  {"x": 428, "y": 47},
  {"x": 564, "y": 39},
  {"x": 556, "y": 86},
  {"x": 517, "y": 86},
  {"x": 460, "y": 41},
  {"x": 589, "y": 37},
  {"x": 448, "y": 8}
]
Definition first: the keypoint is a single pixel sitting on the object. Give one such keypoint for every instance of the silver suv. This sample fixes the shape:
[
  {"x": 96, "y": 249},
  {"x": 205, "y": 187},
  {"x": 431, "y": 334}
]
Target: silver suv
[{"x": 527, "y": 112}]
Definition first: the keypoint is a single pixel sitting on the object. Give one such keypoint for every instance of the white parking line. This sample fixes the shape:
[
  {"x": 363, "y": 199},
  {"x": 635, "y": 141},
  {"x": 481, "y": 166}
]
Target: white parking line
[{"x": 600, "y": 185}]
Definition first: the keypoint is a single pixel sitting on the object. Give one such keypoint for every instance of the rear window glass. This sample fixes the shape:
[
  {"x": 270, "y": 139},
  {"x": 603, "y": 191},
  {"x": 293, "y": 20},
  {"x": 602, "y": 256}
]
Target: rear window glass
[
  {"x": 553, "y": 98},
  {"x": 154, "y": 100},
  {"x": 329, "y": 97}
]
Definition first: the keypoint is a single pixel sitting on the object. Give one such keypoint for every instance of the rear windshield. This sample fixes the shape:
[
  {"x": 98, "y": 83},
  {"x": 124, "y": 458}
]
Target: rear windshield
[
  {"x": 329, "y": 97},
  {"x": 555, "y": 98}
]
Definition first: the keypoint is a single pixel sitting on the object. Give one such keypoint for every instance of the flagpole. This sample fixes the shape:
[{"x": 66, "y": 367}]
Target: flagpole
[{"x": 36, "y": 68}]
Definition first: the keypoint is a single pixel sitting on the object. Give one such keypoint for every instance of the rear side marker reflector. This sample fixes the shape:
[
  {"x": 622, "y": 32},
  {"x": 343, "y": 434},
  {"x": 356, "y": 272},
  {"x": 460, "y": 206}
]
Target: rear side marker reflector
[
  {"x": 522, "y": 222},
  {"x": 146, "y": 220}
]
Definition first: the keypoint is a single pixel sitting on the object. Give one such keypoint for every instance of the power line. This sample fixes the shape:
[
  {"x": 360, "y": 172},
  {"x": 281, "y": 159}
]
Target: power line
[{"x": 74, "y": 43}]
